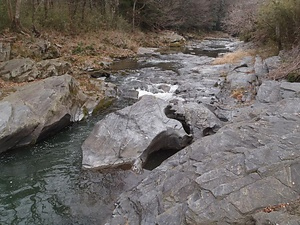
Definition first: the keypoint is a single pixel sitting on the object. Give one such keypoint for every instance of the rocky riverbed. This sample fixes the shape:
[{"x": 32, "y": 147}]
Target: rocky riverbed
[
  {"x": 244, "y": 156},
  {"x": 204, "y": 143}
]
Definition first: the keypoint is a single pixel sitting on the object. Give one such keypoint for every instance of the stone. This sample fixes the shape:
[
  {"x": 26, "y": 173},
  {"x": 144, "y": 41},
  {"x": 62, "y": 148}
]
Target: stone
[
  {"x": 173, "y": 39},
  {"x": 273, "y": 62},
  {"x": 122, "y": 137},
  {"x": 239, "y": 80},
  {"x": 147, "y": 51},
  {"x": 289, "y": 90},
  {"x": 4, "y": 51},
  {"x": 275, "y": 217},
  {"x": 19, "y": 70},
  {"x": 53, "y": 67},
  {"x": 22, "y": 70},
  {"x": 196, "y": 118},
  {"x": 225, "y": 178},
  {"x": 39, "y": 110},
  {"x": 44, "y": 49},
  {"x": 248, "y": 60},
  {"x": 269, "y": 92},
  {"x": 260, "y": 67}
]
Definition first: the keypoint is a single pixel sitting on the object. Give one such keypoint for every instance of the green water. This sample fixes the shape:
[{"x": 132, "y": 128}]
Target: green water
[{"x": 44, "y": 184}]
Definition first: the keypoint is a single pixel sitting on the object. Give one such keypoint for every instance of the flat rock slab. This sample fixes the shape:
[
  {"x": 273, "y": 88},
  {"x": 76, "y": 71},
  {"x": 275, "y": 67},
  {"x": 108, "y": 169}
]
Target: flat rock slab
[
  {"x": 121, "y": 137},
  {"x": 226, "y": 178}
]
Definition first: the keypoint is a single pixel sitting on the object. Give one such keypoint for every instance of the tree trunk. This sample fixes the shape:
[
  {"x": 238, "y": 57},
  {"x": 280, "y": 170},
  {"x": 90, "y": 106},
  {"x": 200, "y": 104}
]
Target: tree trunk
[
  {"x": 83, "y": 10},
  {"x": 9, "y": 10},
  {"x": 278, "y": 37},
  {"x": 133, "y": 14},
  {"x": 16, "y": 24}
]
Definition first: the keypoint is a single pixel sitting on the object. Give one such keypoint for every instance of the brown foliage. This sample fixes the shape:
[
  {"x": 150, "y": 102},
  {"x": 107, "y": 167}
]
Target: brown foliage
[
  {"x": 289, "y": 70},
  {"x": 241, "y": 18}
]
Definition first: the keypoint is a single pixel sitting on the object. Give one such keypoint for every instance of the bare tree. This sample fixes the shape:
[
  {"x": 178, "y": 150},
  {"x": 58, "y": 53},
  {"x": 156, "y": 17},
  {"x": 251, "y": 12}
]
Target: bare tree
[
  {"x": 14, "y": 14},
  {"x": 241, "y": 17}
]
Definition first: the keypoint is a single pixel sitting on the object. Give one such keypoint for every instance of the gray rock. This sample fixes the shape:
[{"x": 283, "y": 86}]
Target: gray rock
[
  {"x": 239, "y": 80},
  {"x": 273, "y": 63},
  {"x": 224, "y": 178},
  {"x": 269, "y": 92},
  {"x": 122, "y": 137},
  {"x": 197, "y": 119},
  {"x": 289, "y": 90},
  {"x": 173, "y": 39},
  {"x": 274, "y": 218},
  {"x": 22, "y": 70},
  {"x": 44, "y": 49},
  {"x": 260, "y": 67},
  {"x": 53, "y": 67},
  {"x": 248, "y": 60},
  {"x": 19, "y": 70},
  {"x": 4, "y": 51},
  {"x": 147, "y": 51},
  {"x": 274, "y": 91},
  {"x": 39, "y": 110},
  {"x": 107, "y": 89}
]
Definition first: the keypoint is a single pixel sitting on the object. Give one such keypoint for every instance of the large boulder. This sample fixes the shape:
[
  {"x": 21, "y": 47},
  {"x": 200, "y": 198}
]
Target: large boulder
[
  {"x": 39, "y": 110},
  {"x": 226, "y": 178},
  {"x": 124, "y": 136}
]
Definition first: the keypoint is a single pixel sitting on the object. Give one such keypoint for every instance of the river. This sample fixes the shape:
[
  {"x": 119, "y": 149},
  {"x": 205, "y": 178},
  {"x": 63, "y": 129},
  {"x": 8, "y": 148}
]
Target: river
[{"x": 44, "y": 184}]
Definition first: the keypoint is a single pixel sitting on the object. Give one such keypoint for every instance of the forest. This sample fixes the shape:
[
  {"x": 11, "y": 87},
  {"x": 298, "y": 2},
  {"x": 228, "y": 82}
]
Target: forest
[
  {"x": 265, "y": 22},
  {"x": 276, "y": 20}
]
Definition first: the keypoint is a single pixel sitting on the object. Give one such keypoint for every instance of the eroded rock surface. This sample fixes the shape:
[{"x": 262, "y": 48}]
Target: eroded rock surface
[
  {"x": 225, "y": 178},
  {"x": 122, "y": 137},
  {"x": 250, "y": 162}
]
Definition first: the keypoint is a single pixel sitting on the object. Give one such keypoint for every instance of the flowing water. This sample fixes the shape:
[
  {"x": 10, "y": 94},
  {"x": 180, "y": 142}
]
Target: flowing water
[{"x": 44, "y": 184}]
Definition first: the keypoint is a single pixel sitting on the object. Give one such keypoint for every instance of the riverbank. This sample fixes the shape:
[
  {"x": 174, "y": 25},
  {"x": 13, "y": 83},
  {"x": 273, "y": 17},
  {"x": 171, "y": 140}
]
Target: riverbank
[
  {"x": 85, "y": 53},
  {"x": 234, "y": 114}
]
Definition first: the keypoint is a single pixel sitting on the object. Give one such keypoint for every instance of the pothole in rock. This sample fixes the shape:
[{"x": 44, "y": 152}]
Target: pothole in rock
[
  {"x": 156, "y": 158},
  {"x": 163, "y": 146}
]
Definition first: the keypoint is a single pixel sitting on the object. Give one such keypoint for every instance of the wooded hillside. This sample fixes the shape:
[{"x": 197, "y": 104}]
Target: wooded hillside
[
  {"x": 87, "y": 15},
  {"x": 261, "y": 20}
]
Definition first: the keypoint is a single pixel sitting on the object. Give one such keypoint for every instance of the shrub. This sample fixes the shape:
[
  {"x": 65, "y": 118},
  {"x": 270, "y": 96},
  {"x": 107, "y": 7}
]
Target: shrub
[
  {"x": 233, "y": 57},
  {"x": 279, "y": 20},
  {"x": 241, "y": 19}
]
